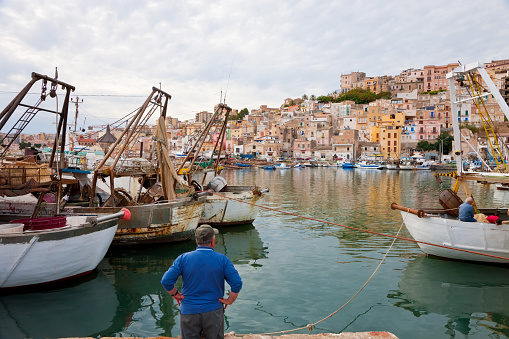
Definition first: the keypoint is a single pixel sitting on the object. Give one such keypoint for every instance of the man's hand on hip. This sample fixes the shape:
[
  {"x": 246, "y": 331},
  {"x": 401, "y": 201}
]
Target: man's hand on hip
[{"x": 228, "y": 301}]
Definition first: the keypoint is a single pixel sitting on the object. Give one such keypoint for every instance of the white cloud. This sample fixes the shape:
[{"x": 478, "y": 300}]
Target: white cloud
[{"x": 274, "y": 50}]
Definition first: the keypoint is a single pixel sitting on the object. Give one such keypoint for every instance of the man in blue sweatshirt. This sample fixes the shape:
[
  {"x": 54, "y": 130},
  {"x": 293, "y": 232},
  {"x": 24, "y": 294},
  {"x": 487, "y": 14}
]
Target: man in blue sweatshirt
[
  {"x": 466, "y": 210},
  {"x": 203, "y": 272}
]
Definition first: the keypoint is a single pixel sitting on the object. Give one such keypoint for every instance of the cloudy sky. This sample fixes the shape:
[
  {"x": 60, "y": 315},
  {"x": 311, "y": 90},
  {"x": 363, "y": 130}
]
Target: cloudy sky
[{"x": 257, "y": 52}]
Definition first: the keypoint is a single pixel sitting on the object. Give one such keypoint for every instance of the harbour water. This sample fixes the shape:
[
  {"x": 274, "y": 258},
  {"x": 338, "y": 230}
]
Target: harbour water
[{"x": 295, "y": 271}]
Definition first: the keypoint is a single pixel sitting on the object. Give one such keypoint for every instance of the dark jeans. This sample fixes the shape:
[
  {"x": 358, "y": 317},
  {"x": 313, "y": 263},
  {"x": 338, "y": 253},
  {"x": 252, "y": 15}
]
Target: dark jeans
[{"x": 211, "y": 323}]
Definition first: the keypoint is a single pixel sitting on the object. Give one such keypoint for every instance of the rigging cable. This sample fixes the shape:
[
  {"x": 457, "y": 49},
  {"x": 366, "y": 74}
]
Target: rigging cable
[{"x": 228, "y": 82}]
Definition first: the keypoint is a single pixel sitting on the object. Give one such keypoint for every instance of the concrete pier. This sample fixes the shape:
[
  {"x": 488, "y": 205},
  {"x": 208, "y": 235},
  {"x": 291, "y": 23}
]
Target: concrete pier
[{"x": 345, "y": 335}]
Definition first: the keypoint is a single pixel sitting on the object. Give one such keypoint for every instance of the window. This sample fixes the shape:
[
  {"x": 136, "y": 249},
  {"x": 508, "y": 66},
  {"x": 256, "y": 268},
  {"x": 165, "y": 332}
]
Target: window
[
  {"x": 466, "y": 112},
  {"x": 388, "y": 143},
  {"x": 395, "y": 143}
]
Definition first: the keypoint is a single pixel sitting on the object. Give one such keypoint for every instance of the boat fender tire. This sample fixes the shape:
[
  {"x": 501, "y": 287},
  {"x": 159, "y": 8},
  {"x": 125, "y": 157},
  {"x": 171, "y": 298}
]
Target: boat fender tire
[{"x": 196, "y": 185}]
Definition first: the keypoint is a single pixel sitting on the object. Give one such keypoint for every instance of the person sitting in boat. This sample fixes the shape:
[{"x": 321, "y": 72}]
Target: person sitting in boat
[
  {"x": 466, "y": 210},
  {"x": 493, "y": 219}
]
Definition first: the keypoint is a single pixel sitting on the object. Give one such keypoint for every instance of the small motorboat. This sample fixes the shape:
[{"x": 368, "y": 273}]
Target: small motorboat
[
  {"x": 347, "y": 165},
  {"x": 503, "y": 187}
]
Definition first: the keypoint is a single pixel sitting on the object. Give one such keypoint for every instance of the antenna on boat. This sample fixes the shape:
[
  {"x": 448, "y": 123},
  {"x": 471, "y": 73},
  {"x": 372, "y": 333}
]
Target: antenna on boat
[{"x": 228, "y": 82}]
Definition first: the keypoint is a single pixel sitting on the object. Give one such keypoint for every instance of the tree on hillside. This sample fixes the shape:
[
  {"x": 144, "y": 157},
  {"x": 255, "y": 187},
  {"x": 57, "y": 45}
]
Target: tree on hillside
[
  {"x": 243, "y": 112},
  {"x": 304, "y": 97},
  {"x": 447, "y": 141},
  {"x": 357, "y": 95},
  {"x": 425, "y": 146},
  {"x": 313, "y": 97},
  {"x": 24, "y": 144},
  {"x": 325, "y": 98}
]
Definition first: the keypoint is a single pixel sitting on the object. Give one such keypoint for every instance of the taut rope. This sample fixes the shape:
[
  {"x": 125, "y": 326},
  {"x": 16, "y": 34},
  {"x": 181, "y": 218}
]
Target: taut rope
[{"x": 365, "y": 231}]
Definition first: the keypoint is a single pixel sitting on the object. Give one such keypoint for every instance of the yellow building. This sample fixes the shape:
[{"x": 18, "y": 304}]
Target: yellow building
[
  {"x": 389, "y": 132},
  {"x": 236, "y": 133}
]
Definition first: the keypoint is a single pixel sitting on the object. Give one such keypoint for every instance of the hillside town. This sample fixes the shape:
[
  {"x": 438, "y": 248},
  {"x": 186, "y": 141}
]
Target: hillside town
[{"x": 416, "y": 108}]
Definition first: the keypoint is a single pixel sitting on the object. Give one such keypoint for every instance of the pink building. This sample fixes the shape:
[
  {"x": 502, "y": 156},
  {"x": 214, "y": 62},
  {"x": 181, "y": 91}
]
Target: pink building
[{"x": 427, "y": 129}]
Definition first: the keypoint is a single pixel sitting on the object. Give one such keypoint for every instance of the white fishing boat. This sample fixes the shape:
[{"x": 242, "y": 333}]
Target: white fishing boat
[
  {"x": 406, "y": 167},
  {"x": 446, "y": 230},
  {"x": 367, "y": 165},
  {"x": 225, "y": 204},
  {"x": 228, "y": 206},
  {"x": 436, "y": 229},
  {"x": 423, "y": 166},
  {"x": 44, "y": 250},
  {"x": 283, "y": 165}
]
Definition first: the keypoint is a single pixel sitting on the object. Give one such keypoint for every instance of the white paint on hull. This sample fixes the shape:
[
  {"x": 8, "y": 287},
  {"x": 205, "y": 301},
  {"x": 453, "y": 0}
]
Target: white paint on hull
[
  {"x": 473, "y": 236},
  {"x": 53, "y": 260},
  {"x": 226, "y": 211}
]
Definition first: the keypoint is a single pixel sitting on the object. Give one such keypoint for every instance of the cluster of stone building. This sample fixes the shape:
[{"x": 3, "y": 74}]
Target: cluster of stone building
[{"x": 389, "y": 128}]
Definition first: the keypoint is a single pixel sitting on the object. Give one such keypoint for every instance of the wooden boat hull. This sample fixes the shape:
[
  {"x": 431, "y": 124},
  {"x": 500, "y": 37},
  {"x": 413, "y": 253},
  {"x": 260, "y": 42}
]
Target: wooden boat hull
[
  {"x": 153, "y": 223},
  {"x": 150, "y": 223},
  {"x": 473, "y": 236},
  {"x": 38, "y": 257},
  {"x": 220, "y": 211}
]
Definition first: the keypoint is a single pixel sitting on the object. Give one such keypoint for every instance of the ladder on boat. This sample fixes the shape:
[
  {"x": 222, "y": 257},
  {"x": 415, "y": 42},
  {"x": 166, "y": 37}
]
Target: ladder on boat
[{"x": 18, "y": 127}]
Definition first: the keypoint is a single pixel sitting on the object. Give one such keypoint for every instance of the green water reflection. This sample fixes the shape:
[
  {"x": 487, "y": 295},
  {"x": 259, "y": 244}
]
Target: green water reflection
[{"x": 295, "y": 271}]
